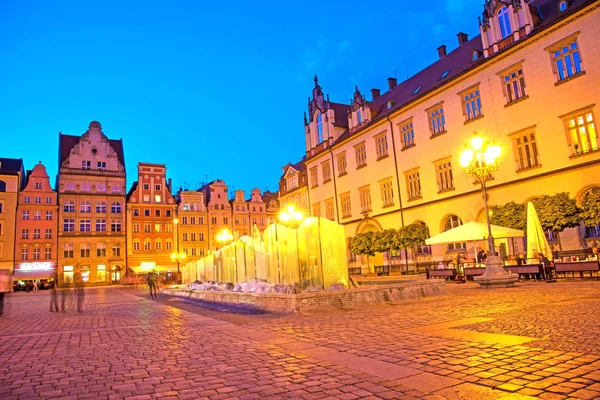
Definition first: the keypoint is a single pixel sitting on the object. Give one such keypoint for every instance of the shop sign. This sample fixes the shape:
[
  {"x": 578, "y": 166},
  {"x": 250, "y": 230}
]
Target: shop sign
[{"x": 36, "y": 266}]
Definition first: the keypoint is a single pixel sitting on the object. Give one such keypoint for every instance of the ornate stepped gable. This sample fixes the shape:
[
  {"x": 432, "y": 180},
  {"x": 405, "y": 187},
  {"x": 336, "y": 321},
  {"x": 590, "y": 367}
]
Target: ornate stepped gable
[{"x": 92, "y": 142}]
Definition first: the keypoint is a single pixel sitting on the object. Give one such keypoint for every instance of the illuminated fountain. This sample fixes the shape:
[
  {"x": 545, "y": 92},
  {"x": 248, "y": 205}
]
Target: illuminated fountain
[{"x": 309, "y": 253}]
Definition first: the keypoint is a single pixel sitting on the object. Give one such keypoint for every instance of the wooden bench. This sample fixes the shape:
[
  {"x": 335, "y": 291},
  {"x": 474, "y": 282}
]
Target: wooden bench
[
  {"x": 474, "y": 271},
  {"x": 581, "y": 267},
  {"x": 441, "y": 273},
  {"x": 531, "y": 269},
  {"x": 382, "y": 270},
  {"x": 354, "y": 271}
]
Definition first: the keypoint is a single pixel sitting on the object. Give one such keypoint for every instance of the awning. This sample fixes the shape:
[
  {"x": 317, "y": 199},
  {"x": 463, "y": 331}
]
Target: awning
[
  {"x": 31, "y": 275},
  {"x": 473, "y": 231}
]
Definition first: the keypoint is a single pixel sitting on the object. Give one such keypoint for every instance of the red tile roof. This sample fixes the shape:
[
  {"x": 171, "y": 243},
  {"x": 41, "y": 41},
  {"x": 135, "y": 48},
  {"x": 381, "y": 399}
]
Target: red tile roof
[{"x": 67, "y": 142}]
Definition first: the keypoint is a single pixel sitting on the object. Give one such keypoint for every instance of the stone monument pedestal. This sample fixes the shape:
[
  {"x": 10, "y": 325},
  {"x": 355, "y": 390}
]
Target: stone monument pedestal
[{"x": 495, "y": 275}]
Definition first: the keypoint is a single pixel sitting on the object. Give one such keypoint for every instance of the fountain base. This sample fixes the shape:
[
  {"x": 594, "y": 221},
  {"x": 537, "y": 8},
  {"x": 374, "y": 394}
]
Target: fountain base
[
  {"x": 325, "y": 300},
  {"x": 495, "y": 276}
]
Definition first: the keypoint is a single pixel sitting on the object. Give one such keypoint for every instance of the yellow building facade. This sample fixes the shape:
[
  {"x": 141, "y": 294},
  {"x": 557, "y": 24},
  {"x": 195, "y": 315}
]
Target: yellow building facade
[
  {"x": 293, "y": 188},
  {"x": 528, "y": 81},
  {"x": 12, "y": 181}
]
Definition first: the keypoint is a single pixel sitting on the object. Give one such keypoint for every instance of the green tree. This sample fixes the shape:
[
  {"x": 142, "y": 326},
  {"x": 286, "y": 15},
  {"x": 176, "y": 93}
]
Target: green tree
[
  {"x": 558, "y": 212},
  {"x": 363, "y": 244},
  {"x": 509, "y": 215},
  {"x": 384, "y": 241},
  {"x": 590, "y": 205}
]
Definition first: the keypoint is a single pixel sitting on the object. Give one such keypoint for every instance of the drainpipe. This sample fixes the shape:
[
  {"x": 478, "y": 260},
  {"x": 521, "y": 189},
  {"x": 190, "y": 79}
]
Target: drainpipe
[{"x": 337, "y": 209}]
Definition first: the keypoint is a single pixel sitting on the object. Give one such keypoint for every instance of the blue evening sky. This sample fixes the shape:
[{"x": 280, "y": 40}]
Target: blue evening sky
[{"x": 211, "y": 89}]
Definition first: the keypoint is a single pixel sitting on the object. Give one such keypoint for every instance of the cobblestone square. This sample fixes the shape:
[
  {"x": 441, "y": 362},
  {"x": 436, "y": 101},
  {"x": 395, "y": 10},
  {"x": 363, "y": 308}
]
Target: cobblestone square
[{"x": 537, "y": 340}]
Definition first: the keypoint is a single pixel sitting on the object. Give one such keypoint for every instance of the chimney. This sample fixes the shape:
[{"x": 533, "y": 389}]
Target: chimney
[
  {"x": 442, "y": 50},
  {"x": 375, "y": 93},
  {"x": 462, "y": 38},
  {"x": 392, "y": 82}
]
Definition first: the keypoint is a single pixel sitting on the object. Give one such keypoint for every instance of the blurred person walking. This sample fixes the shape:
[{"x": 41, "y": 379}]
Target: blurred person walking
[
  {"x": 152, "y": 283},
  {"x": 54, "y": 295},
  {"x": 79, "y": 290}
]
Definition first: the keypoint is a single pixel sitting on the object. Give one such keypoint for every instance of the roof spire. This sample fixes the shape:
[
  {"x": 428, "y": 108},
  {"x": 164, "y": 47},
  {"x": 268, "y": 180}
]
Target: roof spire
[{"x": 316, "y": 81}]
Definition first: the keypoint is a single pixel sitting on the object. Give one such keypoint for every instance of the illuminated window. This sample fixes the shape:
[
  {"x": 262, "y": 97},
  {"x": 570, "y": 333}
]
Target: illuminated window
[
  {"x": 582, "y": 135},
  {"x": 157, "y": 228},
  {"x": 413, "y": 184},
  {"x": 157, "y": 198},
  {"x": 100, "y": 273}
]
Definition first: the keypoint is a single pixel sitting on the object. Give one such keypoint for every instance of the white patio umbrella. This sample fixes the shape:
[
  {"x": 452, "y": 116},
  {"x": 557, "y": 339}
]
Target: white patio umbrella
[
  {"x": 473, "y": 231},
  {"x": 536, "y": 238}
]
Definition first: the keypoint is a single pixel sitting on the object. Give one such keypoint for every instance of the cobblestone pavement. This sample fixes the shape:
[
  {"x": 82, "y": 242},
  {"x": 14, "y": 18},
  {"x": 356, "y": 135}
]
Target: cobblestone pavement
[{"x": 537, "y": 340}]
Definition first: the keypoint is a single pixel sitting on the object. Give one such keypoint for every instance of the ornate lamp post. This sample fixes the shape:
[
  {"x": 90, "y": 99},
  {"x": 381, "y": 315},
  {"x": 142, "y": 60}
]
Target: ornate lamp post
[
  {"x": 177, "y": 256},
  {"x": 292, "y": 219},
  {"x": 225, "y": 237},
  {"x": 479, "y": 159}
]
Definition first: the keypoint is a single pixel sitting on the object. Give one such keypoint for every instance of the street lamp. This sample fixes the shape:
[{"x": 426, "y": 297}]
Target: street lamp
[
  {"x": 176, "y": 256},
  {"x": 480, "y": 159},
  {"x": 292, "y": 219}
]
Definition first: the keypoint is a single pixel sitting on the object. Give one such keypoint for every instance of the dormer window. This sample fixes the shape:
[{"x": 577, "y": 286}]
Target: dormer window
[
  {"x": 390, "y": 105},
  {"x": 319, "y": 129},
  {"x": 562, "y": 6},
  {"x": 359, "y": 115},
  {"x": 504, "y": 21},
  {"x": 475, "y": 56},
  {"x": 416, "y": 90},
  {"x": 445, "y": 74}
]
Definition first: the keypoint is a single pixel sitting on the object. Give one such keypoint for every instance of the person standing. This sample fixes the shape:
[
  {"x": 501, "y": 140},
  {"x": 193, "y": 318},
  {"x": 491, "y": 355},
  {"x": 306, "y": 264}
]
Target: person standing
[
  {"x": 152, "y": 284},
  {"x": 79, "y": 287},
  {"x": 5, "y": 287},
  {"x": 54, "y": 295}
]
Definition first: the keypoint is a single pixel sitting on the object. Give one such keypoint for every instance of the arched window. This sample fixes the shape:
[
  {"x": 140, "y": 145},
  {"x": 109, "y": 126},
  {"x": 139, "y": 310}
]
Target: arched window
[
  {"x": 85, "y": 207},
  {"x": 115, "y": 208},
  {"x": 452, "y": 222},
  {"x": 101, "y": 207},
  {"x": 359, "y": 114},
  {"x": 2, "y": 186},
  {"x": 562, "y": 6},
  {"x": 186, "y": 207},
  {"x": 475, "y": 56},
  {"x": 504, "y": 21},
  {"x": 69, "y": 206},
  {"x": 319, "y": 129}
]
